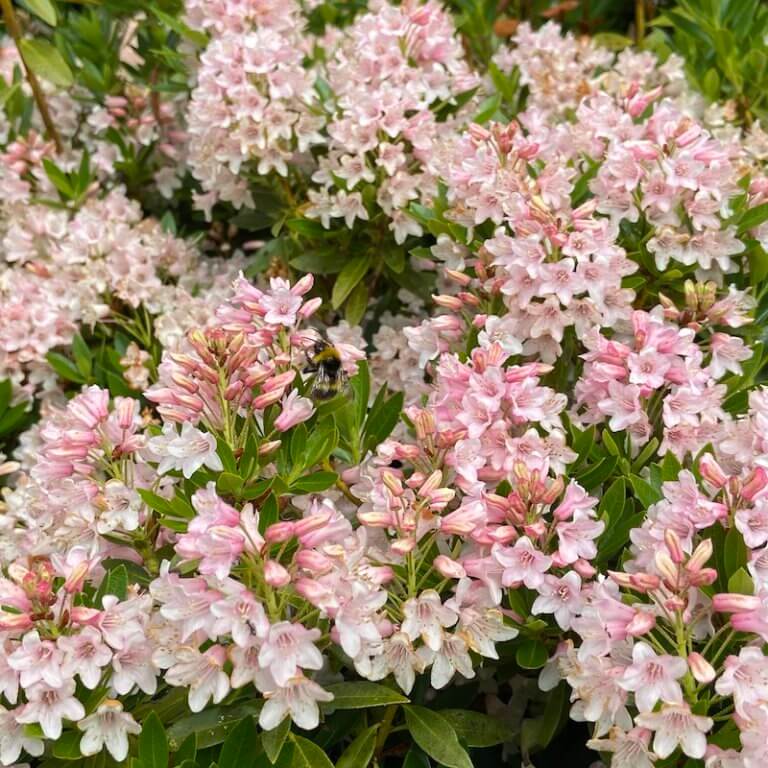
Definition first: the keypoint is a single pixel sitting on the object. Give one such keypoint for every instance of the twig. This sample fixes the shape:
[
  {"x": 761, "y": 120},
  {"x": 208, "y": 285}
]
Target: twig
[{"x": 14, "y": 30}]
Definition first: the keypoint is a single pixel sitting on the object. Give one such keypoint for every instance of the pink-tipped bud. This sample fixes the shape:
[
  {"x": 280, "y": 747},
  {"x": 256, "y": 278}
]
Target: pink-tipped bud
[
  {"x": 449, "y": 302},
  {"x": 125, "y": 410},
  {"x": 478, "y": 133},
  {"x": 280, "y": 532},
  {"x": 458, "y": 277},
  {"x": 432, "y": 483},
  {"x": 279, "y": 382},
  {"x": 645, "y": 582},
  {"x": 310, "y": 307},
  {"x": 448, "y": 568},
  {"x": 74, "y": 582},
  {"x": 700, "y": 556},
  {"x": 732, "y": 602},
  {"x": 314, "y": 561},
  {"x": 312, "y": 591},
  {"x": 674, "y": 604},
  {"x": 15, "y": 622},
  {"x": 268, "y": 447},
  {"x": 403, "y": 546},
  {"x": 268, "y": 398},
  {"x": 584, "y": 568},
  {"x": 469, "y": 298},
  {"x": 667, "y": 568},
  {"x": 756, "y": 482},
  {"x": 621, "y": 578},
  {"x": 275, "y": 574},
  {"x": 642, "y": 623},
  {"x": 712, "y": 472},
  {"x": 703, "y": 577},
  {"x": 672, "y": 540},
  {"x": 392, "y": 483},
  {"x": 701, "y": 669},
  {"x": 300, "y": 287},
  {"x": 82, "y": 615}
]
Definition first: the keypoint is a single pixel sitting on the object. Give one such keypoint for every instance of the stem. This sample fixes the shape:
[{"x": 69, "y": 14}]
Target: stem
[
  {"x": 14, "y": 30},
  {"x": 386, "y": 727},
  {"x": 639, "y": 21}
]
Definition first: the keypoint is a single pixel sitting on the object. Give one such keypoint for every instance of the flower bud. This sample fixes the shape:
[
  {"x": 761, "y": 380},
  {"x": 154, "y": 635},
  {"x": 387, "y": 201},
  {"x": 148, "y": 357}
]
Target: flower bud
[
  {"x": 642, "y": 622},
  {"x": 448, "y": 568},
  {"x": 667, "y": 568},
  {"x": 700, "y": 556},
  {"x": 701, "y": 669},
  {"x": 279, "y": 532},
  {"x": 672, "y": 540},
  {"x": 275, "y": 574}
]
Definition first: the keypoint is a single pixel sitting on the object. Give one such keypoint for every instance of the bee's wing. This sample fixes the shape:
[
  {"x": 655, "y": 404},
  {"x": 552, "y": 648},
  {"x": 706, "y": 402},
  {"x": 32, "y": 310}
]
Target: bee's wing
[{"x": 323, "y": 384}]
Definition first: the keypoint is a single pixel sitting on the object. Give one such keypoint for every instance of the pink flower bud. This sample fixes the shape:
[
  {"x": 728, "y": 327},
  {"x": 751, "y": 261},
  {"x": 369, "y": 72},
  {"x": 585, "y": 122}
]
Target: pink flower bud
[
  {"x": 645, "y": 582},
  {"x": 458, "y": 277},
  {"x": 279, "y": 532},
  {"x": 403, "y": 546},
  {"x": 279, "y": 382},
  {"x": 735, "y": 603},
  {"x": 756, "y": 482},
  {"x": 268, "y": 398},
  {"x": 712, "y": 472},
  {"x": 667, "y": 568},
  {"x": 313, "y": 592},
  {"x": 82, "y": 615},
  {"x": 700, "y": 556},
  {"x": 275, "y": 574},
  {"x": 448, "y": 568},
  {"x": 300, "y": 287},
  {"x": 15, "y": 622},
  {"x": 449, "y": 302},
  {"x": 701, "y": 669},
  {"x": 672, "y": 540},
  {"x": 584, "y": 568},
  {"x": 314, "y": 561},
  {"x": 310, "y": 307},
  {"x": 642, "y": 622},
  {"x": 268, "y": 447}
]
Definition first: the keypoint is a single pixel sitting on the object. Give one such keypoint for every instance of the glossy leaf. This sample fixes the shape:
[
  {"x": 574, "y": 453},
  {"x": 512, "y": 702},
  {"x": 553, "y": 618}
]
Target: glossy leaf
[
  {"x": 362, "y": 695},
  {"x": 434, "y": 734}
]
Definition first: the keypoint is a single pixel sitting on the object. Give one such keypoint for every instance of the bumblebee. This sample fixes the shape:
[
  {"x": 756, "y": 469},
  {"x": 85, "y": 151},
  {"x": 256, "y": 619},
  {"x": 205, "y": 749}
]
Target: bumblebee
[{"x": 325, "y": 362}]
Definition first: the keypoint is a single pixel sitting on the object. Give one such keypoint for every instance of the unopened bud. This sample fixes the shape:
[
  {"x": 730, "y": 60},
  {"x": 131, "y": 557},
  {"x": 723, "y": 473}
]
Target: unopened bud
[{"x": 701, "y": 669}]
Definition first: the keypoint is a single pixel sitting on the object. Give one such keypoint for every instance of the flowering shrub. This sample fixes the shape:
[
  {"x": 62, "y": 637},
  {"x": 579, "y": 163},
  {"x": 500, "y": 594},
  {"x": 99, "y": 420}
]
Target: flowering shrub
[{"x": 361, "y": 405}]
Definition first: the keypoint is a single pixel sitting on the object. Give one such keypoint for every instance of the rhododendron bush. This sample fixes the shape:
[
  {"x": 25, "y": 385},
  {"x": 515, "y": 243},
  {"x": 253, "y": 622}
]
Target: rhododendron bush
[{"x": 367, "y": 403}]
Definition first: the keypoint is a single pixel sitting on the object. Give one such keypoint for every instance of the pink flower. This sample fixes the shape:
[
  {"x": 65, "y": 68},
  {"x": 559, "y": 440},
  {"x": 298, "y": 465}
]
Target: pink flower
[
  {"x": 281, "y": 303},
  {"x": 745, "y": 677},
  {"x": 623, "y": 405},
  {"x": 561, "y": 596},
  {"x": 425, "y": 617},
  {"x": 675, "y": 726},
  {"x": 289, "y": 648},
  {"x": 522, "y": 563},
  {"x": 37, "y": 660},
  {"x": 295, "y": 409},
  {"x": 108, "y": 726},
  {"x": 85, "y": 655},
  {"x": 652, "y": 678},
  {"x": 186, "y": 452},
  {"x": 203, "y": 673},
  {"x": 298, "y": 698},
  {"x": 49, "y": 706}
]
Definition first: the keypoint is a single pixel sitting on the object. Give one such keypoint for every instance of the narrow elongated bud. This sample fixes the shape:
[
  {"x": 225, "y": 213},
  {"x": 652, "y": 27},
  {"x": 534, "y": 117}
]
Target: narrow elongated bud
[
  {"x": 672, "y": 540},
  {"x": 701, "y": 669}
]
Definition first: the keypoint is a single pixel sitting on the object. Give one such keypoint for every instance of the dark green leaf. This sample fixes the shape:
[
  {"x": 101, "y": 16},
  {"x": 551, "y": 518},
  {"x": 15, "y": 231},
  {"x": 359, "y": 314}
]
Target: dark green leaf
[
  {"x": 241, "y": 746},
  {"x": 273, "y": 740},
  {"x": 348, "y": 278},
  {"x": 308, "y": 755},
  {"x": 753, "y": 217},
  {"x": 644, "y": 491},
  {"x": 531, "y": 654},
  {"x": 476, "y": 729},
  {"x": 67, "y": 746},
  {"x": 153, "y": 743},
  {"x": 362, "y": 695},
  {"x": 434, "y": 734},
  {"x": 314, "y": 483},
  {"x": 359, "y": 753},
  {"x": 64, "y": 367}
]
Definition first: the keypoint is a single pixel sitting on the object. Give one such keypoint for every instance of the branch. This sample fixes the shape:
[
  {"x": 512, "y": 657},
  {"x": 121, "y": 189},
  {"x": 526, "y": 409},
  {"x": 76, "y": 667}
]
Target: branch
[{"x": 14, "y": 30}]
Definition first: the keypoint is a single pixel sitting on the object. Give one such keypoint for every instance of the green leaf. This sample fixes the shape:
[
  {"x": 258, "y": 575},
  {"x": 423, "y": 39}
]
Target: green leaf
[
  {"x": 644, "y": 491},
  {"x": 64, "y": 367},
  {"x": 348, "y": 278},
  {"x": 212, "y": 725},
  {"x": 307, "y": 227},
  {"x": 487, "y": 109},
  {"x": 360, "y": 384},
  {"x": 741, "y": 583},
  {"x": 308, "y": 755},
  {"x": 357, "y": 304},
  {"x": 114, "y": 583},
  {"x": 416, "y": 759},
  {"x": 359, "y": 753},
  {"x": 753, "y": 217},
  {"x": 241, "y": 746},
  {"x": 187, "y": 751},
  {"x": 43, "y": 9},
  {"x": 67, "y": 746},
  {"x": 611, "y": 41},
  {"x": 314, "y": 483},
  {"x": 434, "y": 734},
  {"x": 382, "y": 418},
  {"x": 153, "y": 743},
  {"x": 82, "y": 355},
  {"x": 273, "y": 740},
  {"x": 46, "y": 61},
  {"x": 6, "y": 392},
  {"x": 321, "y": 261},
  {"x": 734, "y": 552},
  {"x": 476, "y": 729},
  {"x": 598, "y": 473},
  {"x": 229, "y": 483},
  {"x": 362, "y": 695},
  {"x": 531, "y": 654}
]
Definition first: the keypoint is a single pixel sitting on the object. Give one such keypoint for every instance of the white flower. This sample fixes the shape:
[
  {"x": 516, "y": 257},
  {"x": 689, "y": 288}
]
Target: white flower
[
  {"x": 49, "y": 706},
  {"x": 119, "y": 508},
  {"x": 108, "y": 726},
  {"x": 13, "y": 739},
  {"x": 425, "y": 617},
  {"x": 399, "y": 658},
  {"x": 203, "y": 673},
  {"x": 677, "y": 726},
  {"x": 186, "y": 452},
  {"x": 299, "y": 699}
]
